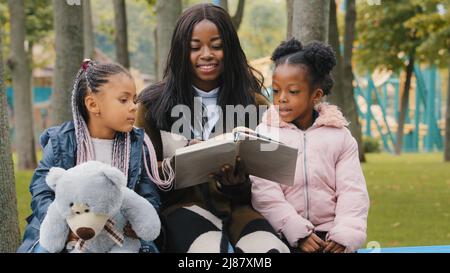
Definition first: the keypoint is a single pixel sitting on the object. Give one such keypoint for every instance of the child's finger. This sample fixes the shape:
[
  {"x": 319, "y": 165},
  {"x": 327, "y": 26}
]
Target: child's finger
[
  {"x": 329, "y": 246},
  {"x": 339, "y": 250},
  {"x": 336, "y": 248},
  {"x": 307, "y": 249},
  {"x": 318, "y": 240},
  {"x": 314, "y": 245}
]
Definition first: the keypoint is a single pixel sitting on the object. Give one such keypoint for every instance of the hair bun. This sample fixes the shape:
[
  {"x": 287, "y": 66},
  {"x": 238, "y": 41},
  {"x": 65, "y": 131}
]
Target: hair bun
[
  {"x": 86, "y": 63},
  {"x": 287, "y": 48},
  {"x": 321, "y": 56}
]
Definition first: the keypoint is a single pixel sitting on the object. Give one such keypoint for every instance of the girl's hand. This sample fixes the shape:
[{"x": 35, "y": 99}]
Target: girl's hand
[
  {"x": 229, "y": 176},
  {"x": 312, "y": 244},
  {"x": 333, "y": 247},
  {"x": 128, "y": 231}
]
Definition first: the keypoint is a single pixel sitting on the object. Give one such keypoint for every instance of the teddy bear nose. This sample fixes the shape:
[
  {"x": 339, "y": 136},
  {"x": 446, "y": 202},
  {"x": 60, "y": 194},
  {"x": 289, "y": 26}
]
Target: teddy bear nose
[{"x": 85, "y": 233}]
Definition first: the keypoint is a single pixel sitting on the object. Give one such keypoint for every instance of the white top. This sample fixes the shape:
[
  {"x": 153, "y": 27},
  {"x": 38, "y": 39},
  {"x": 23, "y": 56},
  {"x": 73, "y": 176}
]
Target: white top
[
  {"x": 209, "y": 99},
  {"x": 103, "y": 150}
]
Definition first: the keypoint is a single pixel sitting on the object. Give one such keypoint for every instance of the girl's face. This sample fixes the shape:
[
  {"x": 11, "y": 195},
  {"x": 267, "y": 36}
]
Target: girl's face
[
  {"x": 206, "y": 54},
  {"x": 293, "y": 95},
  {"x": 113, "y": 108}
]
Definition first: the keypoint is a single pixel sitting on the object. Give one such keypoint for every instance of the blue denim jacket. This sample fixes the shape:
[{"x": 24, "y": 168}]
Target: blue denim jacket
[{"x": 59, "y": 150}]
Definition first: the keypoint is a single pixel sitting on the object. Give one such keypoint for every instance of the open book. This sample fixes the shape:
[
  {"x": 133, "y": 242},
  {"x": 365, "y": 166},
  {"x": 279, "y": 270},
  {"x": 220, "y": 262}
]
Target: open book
[{"x": 263, "y": 157}]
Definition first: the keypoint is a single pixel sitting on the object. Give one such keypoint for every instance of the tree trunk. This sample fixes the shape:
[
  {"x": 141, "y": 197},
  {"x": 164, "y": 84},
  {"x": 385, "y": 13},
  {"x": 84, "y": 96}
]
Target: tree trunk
[
  {"x": 9, "y": 224},
  {"x": 310, "y": 20},
  {"x": 68, "y": 24},
  {"x": 336, "y": 96},
  {"x": 19, "y": 64},
  {"x": 223, "y": 4},
  {"x": 447, "y": 118},
  {"x": 350, "y": 110},
  {"x": 237, "y": 18},
  {"x": 120, "y": 18},
  {"x": 167, "y": 12},
  {"x": 404, "y": 105},
  {"x": 88, "y": 31},
  {"x": 290, "y": 15}
]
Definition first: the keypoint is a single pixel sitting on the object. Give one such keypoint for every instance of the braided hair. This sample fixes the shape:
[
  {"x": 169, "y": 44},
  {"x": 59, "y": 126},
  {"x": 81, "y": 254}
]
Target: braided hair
[{"x": 90, "y": 78}]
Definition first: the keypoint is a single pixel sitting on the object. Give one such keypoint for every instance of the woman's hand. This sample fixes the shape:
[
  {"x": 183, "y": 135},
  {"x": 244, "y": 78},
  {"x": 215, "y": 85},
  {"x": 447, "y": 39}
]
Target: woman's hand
[{"x": 230, "y": 176}]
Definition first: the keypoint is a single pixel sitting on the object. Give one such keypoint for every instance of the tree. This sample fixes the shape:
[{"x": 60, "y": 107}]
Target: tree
[
  {"x": 20, "y": 65},
  {"x": 9, "y": 224},
  {"x": 342, "y": 94},
  {"x": 447, "y": 119},
  {"x": 390, "y": 37},
  {"x": 68, "y": 24},
  {"x": 350, "y": 108},
  {"x": 264, "y": 32},
  {"x": 310, "y": 20},
  {"x": 121, "y": 33},
  {"x": 237, "y": 17},
  {"x": 290, "y": 16},
  {"x": 88, "y": 30},
  {"x": 167, "y": 12},
  {"x": 336, "y": 96},
  {"x": 433, "y": 28}
]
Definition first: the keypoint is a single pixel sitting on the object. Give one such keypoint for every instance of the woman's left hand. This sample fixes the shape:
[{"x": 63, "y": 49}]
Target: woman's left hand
[{"x": 230, "y": 176}]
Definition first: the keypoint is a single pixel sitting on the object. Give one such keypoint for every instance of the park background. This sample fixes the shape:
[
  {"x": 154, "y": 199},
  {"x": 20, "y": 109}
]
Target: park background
[{"x": 393, "y": 72}]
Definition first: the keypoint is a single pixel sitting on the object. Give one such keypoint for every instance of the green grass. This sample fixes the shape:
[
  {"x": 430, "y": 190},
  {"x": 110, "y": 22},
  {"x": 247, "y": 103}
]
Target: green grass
[
  {"x": 410, "y": 199},
  {"x": 409, "y": 194}
]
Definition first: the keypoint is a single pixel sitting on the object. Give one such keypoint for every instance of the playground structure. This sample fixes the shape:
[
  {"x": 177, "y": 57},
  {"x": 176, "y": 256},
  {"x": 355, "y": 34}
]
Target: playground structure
[
  {"x": 380, "y": 92},
  {"x": 378, "y": 104}
]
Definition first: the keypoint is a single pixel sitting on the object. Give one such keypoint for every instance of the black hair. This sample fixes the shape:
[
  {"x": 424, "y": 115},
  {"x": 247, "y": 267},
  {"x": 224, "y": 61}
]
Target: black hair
[
  {"x": 92, "y": 76},
  {"x": 319, "y": 59},
  {"x": 238, "y": 83}
]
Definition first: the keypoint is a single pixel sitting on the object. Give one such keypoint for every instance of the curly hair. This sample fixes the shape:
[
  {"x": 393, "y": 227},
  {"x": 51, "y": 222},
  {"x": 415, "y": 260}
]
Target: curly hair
[{"x": 318, "y": 58}]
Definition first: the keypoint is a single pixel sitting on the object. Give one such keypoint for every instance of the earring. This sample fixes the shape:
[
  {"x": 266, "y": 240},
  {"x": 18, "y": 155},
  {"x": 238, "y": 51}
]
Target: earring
[{"x": 97, "y": 114}]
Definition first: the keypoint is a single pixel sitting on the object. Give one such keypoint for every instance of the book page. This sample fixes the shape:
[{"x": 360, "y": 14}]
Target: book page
[
  {"x": 277, "y": 164},
  {"x": 194, "y": 163}
]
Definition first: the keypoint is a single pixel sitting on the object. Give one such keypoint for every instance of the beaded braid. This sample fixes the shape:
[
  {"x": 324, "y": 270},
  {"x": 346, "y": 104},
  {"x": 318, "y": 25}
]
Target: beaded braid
[{"x": 90, "y": 77}]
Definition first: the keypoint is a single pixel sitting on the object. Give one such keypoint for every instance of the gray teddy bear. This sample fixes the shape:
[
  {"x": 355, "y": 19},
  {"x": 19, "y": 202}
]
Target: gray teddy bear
[{"x": 93, "y": 201}]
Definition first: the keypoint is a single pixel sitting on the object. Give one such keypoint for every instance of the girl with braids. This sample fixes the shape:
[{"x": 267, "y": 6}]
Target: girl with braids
[
  {"x": 326, "y": 208},
  {"x": 206, "y": 61},
  {"x": 104, "y": 111}
]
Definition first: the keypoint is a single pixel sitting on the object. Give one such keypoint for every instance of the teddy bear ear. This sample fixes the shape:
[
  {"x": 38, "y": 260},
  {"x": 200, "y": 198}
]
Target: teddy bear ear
[
  {"x": 115, "y": 176},
  {"x": 53, "y": 177}
]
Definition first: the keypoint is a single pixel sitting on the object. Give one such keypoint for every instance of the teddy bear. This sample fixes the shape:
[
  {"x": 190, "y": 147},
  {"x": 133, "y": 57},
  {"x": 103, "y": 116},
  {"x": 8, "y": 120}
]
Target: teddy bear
[{"x": 92, "y": 200}]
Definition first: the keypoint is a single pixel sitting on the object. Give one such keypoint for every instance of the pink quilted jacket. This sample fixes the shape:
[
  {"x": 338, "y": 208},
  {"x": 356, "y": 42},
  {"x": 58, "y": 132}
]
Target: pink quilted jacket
[{"x": 329, "y": 192}]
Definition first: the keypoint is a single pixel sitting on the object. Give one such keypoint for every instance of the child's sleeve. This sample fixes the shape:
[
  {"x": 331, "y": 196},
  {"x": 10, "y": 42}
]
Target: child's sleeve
[
  {"x": 269, "y": 200},
  {"x": 352, "y": 205},
  {"x": 145, "y": 187},
  {"x": 41, "y": 194}
]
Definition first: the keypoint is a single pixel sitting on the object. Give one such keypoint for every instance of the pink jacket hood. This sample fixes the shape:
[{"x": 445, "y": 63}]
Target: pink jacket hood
[{"x": 329, "y": 192}]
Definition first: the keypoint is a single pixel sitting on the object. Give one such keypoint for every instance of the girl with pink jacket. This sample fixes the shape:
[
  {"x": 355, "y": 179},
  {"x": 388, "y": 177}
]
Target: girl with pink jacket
[{"x": 326, "y": 208}]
